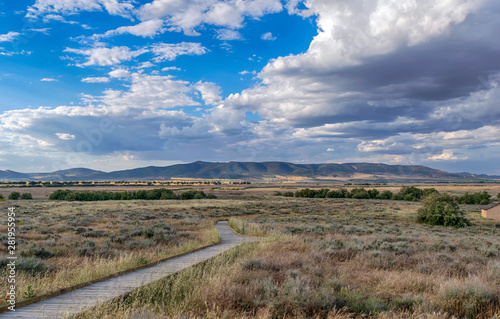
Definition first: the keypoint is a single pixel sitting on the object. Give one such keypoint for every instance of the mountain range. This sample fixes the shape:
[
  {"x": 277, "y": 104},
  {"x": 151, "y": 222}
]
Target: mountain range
[{"x": 357, "y": 172}]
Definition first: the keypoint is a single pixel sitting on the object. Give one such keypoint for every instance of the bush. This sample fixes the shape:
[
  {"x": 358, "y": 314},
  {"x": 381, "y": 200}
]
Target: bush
[
  {"x": 36, "y": 251},
  {"x": 360, "y": 193},
  {"x": 31, "y": 265},
  {"x": 385, "y": 195},
  {"x": 26, "y": 196},
  {"x": 2, "y": 198},
  {"x": 14, "y": 195},
  {"x": 409, "y": 193},
  {"x": 86, "y": 248},
  {"x": 442, "y": 209},
  {"x": 481, "y": 198}
]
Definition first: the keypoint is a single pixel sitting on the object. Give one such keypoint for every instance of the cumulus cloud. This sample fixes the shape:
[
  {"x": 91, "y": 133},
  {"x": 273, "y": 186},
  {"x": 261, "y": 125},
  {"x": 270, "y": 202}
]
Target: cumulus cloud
[
  {"x": 188, "y": 15},
  {"x": 268, "y": 36},
  {"x": 9, "y": 37},
  {"x": 171, "y": 68},
  {"x": 145, "y": 65},
  {"x": 115, "y": 122},
  {"x": 210, "y": 92},
  {"x": 68, "y": 7},
  {"x": 447, "y": 155},
  {"x": 379, "y": 81},
  {"x": 228, "y": 35},
  {"x": 247, "y": 72},
  {"x": 119, "y": 73},
  {"x": 103, "y": 56},
  {"x": 170, "y": 51},
  {"x": 49, "y": 80},
  {"x": 149, "y": 28},
  {"x": 98, "y": 79}
]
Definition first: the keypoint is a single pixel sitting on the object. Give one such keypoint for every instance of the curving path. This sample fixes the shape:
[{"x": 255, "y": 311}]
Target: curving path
[{"x": 84, "y": 298}]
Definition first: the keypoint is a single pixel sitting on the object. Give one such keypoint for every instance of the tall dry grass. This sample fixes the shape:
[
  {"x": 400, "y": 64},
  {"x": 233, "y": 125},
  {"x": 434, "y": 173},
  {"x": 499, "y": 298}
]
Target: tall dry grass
[
  {"x": 81, "y": 269},
  {"x": 335, "y": 259}
]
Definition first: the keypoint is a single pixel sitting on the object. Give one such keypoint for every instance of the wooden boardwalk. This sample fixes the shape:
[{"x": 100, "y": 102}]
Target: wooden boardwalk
[{"x": 74, "y": 302}]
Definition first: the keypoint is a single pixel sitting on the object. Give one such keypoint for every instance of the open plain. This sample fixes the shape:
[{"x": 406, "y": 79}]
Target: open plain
[{"x": 319, "y": 257}]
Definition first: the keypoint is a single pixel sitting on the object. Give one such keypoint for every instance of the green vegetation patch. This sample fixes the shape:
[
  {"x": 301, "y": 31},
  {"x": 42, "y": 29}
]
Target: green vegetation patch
[{"x": 152, "y": 194}]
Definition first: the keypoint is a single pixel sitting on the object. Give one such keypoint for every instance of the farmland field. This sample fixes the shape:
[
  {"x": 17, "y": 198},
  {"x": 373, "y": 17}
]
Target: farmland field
[{"x": 320, "y": 257}]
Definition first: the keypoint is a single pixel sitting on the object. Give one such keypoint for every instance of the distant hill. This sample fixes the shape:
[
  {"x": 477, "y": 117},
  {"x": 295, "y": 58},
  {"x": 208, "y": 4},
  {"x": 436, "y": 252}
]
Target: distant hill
[{"x": 355, "y": 172}]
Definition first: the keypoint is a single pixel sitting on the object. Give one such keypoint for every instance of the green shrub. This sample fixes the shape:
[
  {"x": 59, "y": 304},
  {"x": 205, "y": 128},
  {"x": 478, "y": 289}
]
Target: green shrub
[
  {"x": 2, "y": 198},
  {"x": 385, "y": 195},
  {"x": 31, "y": 265},
  {"x": 410, "y": 193},
  {"x": 26, "y": 196},
  {"x": 37, "y": 251},
  {"x": 86, "y": 248},
  {"x": 360, "y": 193},
  {"x": 481, "y": 198},
  {"x": 14, "y": 195},
  {"x": 442, "y": 209}
]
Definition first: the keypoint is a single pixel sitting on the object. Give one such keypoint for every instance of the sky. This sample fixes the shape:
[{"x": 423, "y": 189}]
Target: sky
[{"x": 119, "y": 84}]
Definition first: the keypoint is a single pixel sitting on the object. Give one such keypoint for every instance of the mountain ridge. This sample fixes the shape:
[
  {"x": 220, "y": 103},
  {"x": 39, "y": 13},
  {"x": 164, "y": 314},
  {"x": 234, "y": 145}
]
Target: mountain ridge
[{"x": 254, "y": 171}]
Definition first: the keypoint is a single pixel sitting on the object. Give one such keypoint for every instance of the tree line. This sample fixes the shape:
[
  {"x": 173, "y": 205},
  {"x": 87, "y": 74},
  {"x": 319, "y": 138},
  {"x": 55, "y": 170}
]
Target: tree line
[
  {"x": 407, "y": 193},
  {"x": 16, "y": 196},
  {"x": 152, "y": 194}
]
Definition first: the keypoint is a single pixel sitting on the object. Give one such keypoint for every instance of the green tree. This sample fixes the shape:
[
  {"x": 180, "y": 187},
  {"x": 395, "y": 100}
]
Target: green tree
[
  {"x": 442, "y": 209},
  {"x": 373, "y": 193},
  {"x": 385, "y": 195},
  {"x": 26, "y": 196},
  {"x": 14, "y": 195},
  {"x": 2, "y": 198},
  {"x": 360, "y": 193},
  {"x": 410, "y": 193},
  {"x": 429, "y": 191}
]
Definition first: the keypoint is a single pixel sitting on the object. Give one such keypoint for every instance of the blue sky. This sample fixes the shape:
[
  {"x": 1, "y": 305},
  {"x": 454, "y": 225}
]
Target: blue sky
[{"x": 116, "y": 84}]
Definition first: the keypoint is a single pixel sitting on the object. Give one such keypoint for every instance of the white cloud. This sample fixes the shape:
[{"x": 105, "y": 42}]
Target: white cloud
[
  {"x": 350, "y": 30},
  {"x": 41, "y": 30},
  {"x": 103, "y": 56},
  {"x": 68, "y": 7},
  {"x": 65, "y": 136},
  {"x": 330, "y": 150},
  {"x": 247, "y": 72},
  {"x": 170, "y": 51},
  {"x": 96, "y": 80},
  {"x": 49, "y": 80},
  {"x": 145, "y": 65},
  {"x": 149, "y": 28},
  {"x": 119, "y": 73},
  {"x": 268, "y": 36},
  {"x": 148, "y": 92},
  {"x": 210, "y": 92},
  {"x": 228, "y": 35},
  {"x": 9, "y": 37},
  {"x": 187, "y": 15},
  {"x": 171, "y": 68},
  {"x": 447, "y": 155},
  {"x": 11, "y": 53}
]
